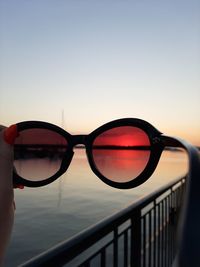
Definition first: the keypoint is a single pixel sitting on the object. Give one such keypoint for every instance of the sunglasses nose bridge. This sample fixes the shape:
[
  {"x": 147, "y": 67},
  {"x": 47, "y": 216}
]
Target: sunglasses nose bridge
[{"x": 79, "y": 139}]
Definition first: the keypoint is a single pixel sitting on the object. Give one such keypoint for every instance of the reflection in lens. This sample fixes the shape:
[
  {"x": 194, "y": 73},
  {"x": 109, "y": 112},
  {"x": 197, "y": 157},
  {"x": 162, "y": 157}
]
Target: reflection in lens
[
  {"x": 122, "y": 153},
  {"x": 38, "y": 153}
]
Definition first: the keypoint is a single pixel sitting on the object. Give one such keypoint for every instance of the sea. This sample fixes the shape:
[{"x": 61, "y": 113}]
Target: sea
[{"x": 50, "y": 214}]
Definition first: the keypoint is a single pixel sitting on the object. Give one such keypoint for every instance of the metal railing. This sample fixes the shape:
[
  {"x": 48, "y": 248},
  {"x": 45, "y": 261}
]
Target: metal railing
[{"x": 143, "y": 234}]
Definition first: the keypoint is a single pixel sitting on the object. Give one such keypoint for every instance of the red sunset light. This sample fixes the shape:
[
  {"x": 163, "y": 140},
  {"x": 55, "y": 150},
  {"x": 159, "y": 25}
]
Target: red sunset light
[{"x": 123, "y": 136}]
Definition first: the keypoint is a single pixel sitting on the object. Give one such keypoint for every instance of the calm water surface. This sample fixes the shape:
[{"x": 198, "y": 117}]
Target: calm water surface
[{"x": 51, "y": 214}]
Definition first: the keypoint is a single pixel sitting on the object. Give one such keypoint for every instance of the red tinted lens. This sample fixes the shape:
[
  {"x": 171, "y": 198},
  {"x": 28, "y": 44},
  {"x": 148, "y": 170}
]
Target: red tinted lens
[
  {"x": 38, "y": 153},
  {"x": 122, "y": 153}
]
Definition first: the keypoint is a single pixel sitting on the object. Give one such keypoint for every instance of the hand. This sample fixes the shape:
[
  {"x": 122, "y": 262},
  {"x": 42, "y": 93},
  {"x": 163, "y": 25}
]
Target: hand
[{"x": 7, "y": 206}]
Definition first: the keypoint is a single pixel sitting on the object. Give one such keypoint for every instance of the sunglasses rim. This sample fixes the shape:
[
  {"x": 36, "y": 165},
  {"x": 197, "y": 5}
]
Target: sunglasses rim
[{"x": 151, "y": 131}]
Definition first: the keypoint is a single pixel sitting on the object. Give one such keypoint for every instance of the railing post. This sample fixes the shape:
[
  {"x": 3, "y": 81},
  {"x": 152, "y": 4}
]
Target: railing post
[
  {"x": 115, "y": 244},
  {"x": 136, "y": 231}
]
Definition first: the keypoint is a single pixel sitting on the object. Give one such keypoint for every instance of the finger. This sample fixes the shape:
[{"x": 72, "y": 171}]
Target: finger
[
  {"x": 6, "y": 170},
  {"x": 10, "y": 134},
  {"x": 7, "y": 138},
  {"x": 6, "y": 150}
]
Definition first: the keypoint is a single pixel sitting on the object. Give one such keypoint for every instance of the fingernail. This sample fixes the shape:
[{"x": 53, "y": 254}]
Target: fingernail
[
  {"x": 10, "y": 134},
  {"x": 20, "y": 186}
]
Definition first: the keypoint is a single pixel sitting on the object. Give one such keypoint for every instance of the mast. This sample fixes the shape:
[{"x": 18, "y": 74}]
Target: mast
[{"x": 63, "y": 119}]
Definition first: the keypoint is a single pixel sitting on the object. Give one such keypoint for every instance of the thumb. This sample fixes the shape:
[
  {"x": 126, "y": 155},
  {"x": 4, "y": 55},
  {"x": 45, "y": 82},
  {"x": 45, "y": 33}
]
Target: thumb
[
  {"x": 6, "y": 150},
  {"x": 7, "y": 138},
  {"x": 6, "y": 163}
]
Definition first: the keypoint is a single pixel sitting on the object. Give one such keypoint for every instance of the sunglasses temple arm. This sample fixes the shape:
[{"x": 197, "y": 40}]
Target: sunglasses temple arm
[
  {"x": 169, "y": 141},
  {"x": 188, "y": 238}
]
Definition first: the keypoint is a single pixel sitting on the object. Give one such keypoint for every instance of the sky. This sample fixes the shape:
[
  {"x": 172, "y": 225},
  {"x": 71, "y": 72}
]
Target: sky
[{"x": 91, "y": 62}]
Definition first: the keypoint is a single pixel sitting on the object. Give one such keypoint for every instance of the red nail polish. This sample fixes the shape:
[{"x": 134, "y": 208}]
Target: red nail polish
[
  {"x": 20, "y": 186},
  {"x": 10, "y": 134}
]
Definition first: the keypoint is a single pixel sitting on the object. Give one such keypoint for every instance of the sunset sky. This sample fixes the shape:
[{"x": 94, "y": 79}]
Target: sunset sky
[{"x": 94, "y": 61}]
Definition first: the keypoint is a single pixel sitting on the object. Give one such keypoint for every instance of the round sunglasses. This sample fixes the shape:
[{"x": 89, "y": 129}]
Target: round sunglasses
[{"x": 122, "y": 153}]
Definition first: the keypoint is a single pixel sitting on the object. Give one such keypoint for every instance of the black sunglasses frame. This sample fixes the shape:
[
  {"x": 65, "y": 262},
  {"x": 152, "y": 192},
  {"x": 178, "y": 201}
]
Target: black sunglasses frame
[{"x": 157, "y": 144}]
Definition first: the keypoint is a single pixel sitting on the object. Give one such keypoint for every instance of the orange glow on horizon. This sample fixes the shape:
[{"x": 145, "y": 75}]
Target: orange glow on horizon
[{"x": 123, "y": 136}]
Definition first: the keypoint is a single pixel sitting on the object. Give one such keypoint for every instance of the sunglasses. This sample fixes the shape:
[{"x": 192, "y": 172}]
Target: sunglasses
[{"x": 122, "y": 153}]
